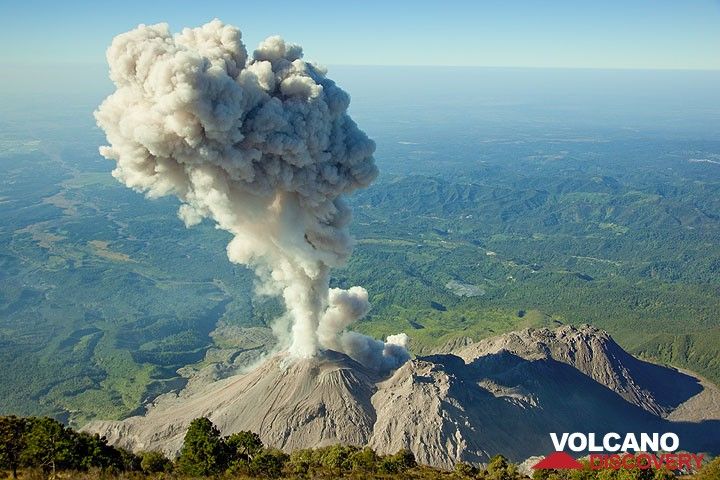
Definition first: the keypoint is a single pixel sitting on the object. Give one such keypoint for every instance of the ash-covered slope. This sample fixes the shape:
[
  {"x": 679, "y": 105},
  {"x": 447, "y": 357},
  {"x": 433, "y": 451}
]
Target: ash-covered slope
[
  {"x": 290, "y": 404},
  {"x": 503, "y": 395}
]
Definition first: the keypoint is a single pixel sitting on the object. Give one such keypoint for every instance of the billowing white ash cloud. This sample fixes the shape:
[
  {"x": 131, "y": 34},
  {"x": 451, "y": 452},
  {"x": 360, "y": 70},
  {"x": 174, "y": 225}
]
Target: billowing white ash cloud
[{"x": 263, "y": 146}]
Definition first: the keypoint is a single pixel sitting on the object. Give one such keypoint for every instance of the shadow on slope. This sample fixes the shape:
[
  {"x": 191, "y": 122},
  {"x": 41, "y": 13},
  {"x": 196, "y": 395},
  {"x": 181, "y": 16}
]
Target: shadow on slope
[{"x": 521, "y": 401}]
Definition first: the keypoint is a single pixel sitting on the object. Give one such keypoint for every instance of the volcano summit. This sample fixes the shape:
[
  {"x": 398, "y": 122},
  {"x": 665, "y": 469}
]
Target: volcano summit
[{"x": 501, "y": 395}]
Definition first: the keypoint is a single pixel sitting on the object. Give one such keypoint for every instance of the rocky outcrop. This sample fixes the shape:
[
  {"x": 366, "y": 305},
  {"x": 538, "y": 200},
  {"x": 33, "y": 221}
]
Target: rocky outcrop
[{"x": 592, "y": 351}]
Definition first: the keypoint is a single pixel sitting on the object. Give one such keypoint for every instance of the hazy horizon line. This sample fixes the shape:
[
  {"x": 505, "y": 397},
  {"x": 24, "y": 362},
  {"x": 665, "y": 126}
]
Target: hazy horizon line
[{"x": 387, "y": 65}]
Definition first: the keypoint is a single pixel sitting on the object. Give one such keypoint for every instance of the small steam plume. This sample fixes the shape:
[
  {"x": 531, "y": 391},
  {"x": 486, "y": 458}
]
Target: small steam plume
[{"x": 263, "y": 146}]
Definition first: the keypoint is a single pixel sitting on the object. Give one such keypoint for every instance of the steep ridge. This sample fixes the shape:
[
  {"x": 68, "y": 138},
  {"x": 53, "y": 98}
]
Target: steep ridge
[
  {"x": 445, "y": 410},
  {"x": 502, "y": 395},
  {"x": 592, "y": 351}
]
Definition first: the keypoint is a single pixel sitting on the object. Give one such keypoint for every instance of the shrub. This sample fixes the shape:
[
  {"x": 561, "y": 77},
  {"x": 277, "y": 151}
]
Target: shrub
[
  {"x": 154, "y": 462},
  {"x": 364, "y": 460},
  {"x": 500, "y": 469},
  {"x": 268, "y": 463},
  {"x": 398, "y": 463},
  {"x": 301, "y": 461},
  {"x": 336, "y": 458},
  {"x": 710, "y": 471},
  {"x": 465, "y": 470}
]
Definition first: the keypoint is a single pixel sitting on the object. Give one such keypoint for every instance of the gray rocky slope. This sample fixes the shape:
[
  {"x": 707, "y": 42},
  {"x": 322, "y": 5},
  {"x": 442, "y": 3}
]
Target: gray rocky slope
[{"x": 500, "y": 395}]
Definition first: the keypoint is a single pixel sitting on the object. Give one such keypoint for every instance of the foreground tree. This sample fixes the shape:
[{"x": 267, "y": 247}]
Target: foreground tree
[
  {"x": 93, "y": 451},
  {"x": 243, "y": 446},
  {"x": 12, "y": 442},
  {"x": 48, "y": 445},
  {"x": 203, "y": 452}
]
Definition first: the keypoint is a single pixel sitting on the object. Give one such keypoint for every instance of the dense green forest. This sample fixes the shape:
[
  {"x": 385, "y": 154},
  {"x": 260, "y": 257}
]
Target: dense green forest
[
  {"x": 628, "y": 246},
  {"x": 41, "y": 447},
  {"x": 107, "y": 300}
]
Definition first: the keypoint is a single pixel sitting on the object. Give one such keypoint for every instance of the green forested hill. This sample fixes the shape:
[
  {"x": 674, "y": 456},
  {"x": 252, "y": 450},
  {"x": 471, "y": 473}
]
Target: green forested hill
[
  {"x": 104, "y": 295},
  {"x": 631, "y": 246}
]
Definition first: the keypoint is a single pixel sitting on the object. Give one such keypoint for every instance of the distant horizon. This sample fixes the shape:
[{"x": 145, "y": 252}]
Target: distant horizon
[
  {"x": 630, "y": 34},
  {"x": 103, "y": 64}
]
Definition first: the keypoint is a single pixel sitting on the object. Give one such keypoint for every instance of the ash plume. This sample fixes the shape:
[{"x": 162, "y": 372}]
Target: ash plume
[{"x": 262, "y": 145}]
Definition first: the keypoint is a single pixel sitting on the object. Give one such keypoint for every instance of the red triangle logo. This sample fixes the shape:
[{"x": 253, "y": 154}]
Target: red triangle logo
[{"x": 558, "y": 461}]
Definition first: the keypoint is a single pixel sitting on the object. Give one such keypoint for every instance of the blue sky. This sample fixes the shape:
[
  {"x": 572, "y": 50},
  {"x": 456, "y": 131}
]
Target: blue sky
[{"x": 665, "y": 34}]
